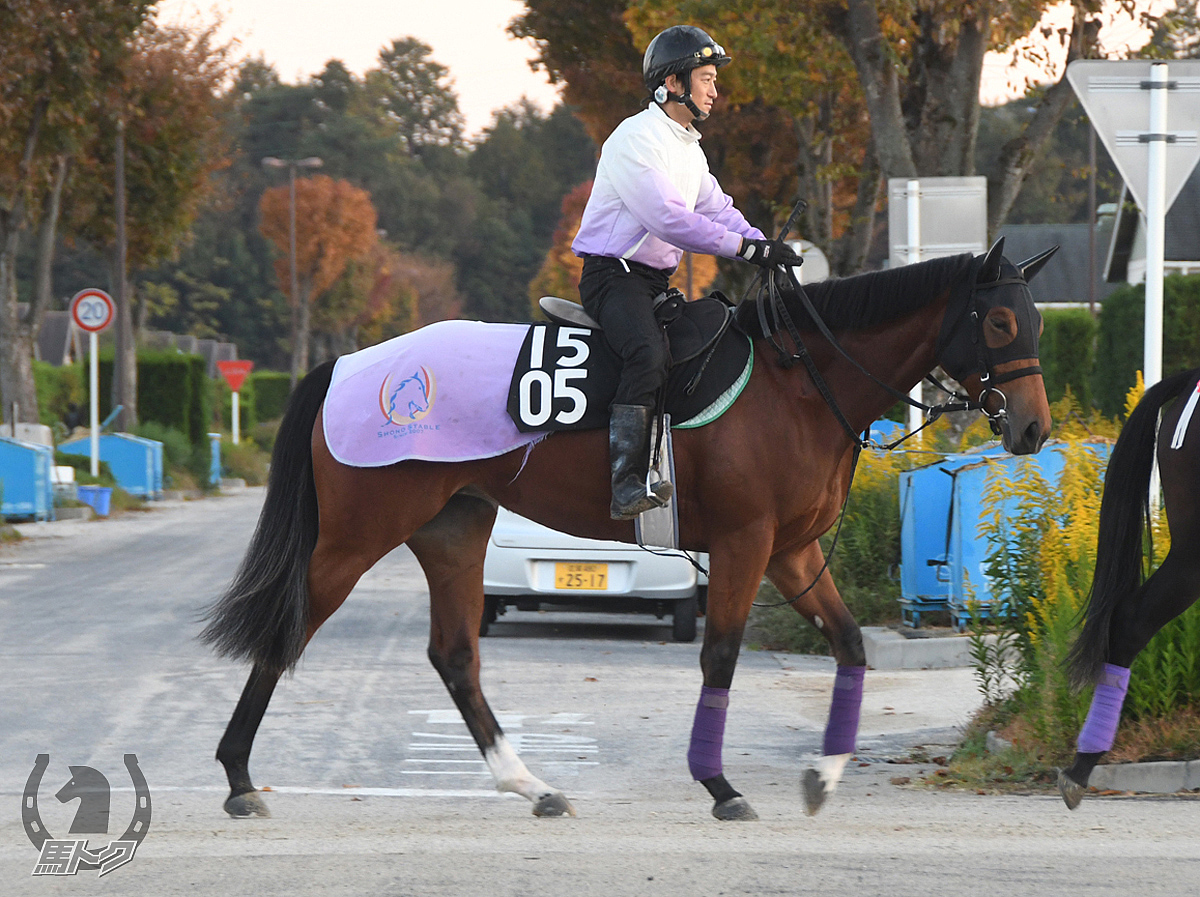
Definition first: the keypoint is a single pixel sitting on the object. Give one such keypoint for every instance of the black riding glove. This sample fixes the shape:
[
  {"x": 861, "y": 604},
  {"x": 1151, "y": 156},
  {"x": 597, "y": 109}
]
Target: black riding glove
[{"x": 768, "y": 253}]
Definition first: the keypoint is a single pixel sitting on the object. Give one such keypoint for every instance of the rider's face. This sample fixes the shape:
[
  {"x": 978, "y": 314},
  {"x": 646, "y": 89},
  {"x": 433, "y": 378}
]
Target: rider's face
[{"x": 704, "y": 87}]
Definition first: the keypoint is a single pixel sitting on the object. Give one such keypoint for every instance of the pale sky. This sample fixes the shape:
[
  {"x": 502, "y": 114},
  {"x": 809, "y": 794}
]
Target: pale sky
[{"x": 489, "y": 69}]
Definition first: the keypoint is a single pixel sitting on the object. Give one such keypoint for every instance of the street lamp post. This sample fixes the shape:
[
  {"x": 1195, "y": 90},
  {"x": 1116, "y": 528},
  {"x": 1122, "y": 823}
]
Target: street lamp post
[{"x": 291, "y": 165}]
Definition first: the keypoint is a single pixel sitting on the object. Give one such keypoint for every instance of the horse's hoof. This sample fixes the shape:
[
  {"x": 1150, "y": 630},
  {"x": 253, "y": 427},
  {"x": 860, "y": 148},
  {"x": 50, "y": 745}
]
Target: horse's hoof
[
  {"x": 1071, "y": 791},
  {"x": 736, "y": 809},
  {"x": 239, "y": 806},
  {"x": 553, "y": 804},
  {"x": 814, "y": 791}
]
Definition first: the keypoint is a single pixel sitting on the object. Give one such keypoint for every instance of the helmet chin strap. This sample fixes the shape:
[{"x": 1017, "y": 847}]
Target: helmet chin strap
[{"x": 662, "y": 96}]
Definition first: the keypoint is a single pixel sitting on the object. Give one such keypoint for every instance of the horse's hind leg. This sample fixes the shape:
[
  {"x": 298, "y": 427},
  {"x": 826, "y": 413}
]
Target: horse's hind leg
[
  {"x": 451, "y": 549},
  {"x": 348, "y": 545},
  {"x": 331, "y": 576},
  {"x": 799, "y": 573},
  {"x": 1170, "y": 591}
]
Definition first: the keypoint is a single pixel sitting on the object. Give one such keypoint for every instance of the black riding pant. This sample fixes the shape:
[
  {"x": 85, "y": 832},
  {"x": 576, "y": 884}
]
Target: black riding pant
[{"x": 620, "y": 295}]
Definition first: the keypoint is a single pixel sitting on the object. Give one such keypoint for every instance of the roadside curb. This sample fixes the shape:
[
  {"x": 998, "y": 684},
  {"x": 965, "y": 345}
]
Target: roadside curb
[
  {"x": 1160, "y": 777},
  {"x": 887, "y": 649}
]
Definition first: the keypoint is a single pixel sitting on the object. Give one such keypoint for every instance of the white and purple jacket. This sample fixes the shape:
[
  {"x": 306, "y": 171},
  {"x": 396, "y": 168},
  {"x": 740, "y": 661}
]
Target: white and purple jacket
[{"x": 654, "y": 197}]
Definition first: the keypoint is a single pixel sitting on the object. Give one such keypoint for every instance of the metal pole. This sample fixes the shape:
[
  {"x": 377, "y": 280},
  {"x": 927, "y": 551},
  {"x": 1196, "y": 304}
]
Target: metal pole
[
  {"x": 914, "y": 256},
  {"x": 1091, "y": 218},
  {"x": 1156, "y": 213},
  {"x": 292, "y": 230},
  {"x": 94, "y": 371},
  {"x": 236, "y": 423}
]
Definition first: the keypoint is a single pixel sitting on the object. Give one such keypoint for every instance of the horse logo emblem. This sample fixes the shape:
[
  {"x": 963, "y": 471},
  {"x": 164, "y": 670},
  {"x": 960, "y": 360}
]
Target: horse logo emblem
[
  {"x": 66, "y": 856},
  {"x": 410, "y": 400}
]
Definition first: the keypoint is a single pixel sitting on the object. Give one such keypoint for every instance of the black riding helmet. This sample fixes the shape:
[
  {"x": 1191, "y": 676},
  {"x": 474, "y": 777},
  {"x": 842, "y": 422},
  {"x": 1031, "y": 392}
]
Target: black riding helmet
[{"x": 676, "y": 51}]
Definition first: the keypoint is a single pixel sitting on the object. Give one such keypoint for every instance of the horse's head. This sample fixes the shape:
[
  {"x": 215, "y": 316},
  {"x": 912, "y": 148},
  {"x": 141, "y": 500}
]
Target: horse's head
[
  {"x": 411, "y": 394},
  {"x": 991, "y": 341}
]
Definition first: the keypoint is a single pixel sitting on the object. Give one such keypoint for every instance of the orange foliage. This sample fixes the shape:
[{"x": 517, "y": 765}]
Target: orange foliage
[{"x": 335, "y": 225}]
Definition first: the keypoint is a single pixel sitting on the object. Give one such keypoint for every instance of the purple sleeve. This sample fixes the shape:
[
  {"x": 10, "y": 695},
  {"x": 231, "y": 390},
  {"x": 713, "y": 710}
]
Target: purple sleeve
[
  {"x": 715, "y": 204},
  {"x": 655, "y": 202}
]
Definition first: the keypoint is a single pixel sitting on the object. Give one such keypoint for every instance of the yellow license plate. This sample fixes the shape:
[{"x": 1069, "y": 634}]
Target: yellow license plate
[{"x": 593, "y": 577}]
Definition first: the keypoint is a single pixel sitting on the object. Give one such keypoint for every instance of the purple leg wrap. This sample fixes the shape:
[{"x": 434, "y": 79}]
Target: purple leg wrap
[
  {"x": 708, "y": 731},
  {"x": 842, "y": 728},
  {"x": 1100, "y": 728}
]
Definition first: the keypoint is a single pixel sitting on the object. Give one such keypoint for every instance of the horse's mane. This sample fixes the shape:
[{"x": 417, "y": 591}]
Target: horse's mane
[{"x": 867, "y": 300}]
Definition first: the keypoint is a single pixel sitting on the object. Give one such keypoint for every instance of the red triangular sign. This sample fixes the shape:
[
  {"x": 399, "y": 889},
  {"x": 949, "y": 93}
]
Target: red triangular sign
[{"x": 235, "y": 372}]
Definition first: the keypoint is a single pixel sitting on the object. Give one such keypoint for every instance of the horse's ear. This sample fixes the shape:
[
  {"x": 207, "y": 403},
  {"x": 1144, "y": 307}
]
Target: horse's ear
[
  {"x": 990, "y": 269},
  {"x": 1032, "y": 266}
]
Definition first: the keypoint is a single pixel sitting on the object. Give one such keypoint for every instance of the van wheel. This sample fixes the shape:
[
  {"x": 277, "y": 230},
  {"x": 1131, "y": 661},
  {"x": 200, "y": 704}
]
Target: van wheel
[{"x": 683, "y": 621}]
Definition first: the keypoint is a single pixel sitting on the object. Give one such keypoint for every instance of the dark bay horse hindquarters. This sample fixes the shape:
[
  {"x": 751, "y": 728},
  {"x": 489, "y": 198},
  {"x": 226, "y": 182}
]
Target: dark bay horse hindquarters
[
  {"x": 755, "y": 489},
  {"x": 1123, "y": 613}
]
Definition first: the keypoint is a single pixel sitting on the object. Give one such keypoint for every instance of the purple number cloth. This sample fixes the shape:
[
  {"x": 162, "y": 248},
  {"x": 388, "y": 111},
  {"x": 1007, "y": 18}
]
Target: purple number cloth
[{"x": 437, "y": 394}]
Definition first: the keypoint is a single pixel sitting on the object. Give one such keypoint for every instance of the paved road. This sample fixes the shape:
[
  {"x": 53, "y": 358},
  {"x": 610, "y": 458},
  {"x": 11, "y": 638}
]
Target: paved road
[{"x": 377, "y": 789}]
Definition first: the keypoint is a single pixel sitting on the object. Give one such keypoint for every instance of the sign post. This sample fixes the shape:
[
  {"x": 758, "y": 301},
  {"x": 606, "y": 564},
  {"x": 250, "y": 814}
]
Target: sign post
[
  {"x": 931, "y": 218},
  {"x": 235, "y": 373},
  {"x": 1127, "y": 102},
  {"x": 93, "y": 310}
]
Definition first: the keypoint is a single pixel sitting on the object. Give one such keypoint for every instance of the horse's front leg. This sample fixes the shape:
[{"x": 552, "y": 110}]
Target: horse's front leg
[
  {"x": 798, "y": 575},
  {"x": 451, "y": 549},
  {"x": 737, "y": 569}
]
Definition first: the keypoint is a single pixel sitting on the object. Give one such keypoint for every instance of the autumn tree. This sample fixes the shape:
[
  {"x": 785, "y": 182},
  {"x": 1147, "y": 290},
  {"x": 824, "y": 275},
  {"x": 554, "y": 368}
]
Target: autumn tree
[
  {"x": 61, "y": 61},
  {"x": 369, "y": 303},
  {"x": 166, "y": 113},
  {"x": 335, "y": 225}
]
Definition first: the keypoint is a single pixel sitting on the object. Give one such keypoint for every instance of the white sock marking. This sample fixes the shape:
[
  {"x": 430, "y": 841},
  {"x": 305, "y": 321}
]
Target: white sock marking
[{"x": 511, "y": 774}]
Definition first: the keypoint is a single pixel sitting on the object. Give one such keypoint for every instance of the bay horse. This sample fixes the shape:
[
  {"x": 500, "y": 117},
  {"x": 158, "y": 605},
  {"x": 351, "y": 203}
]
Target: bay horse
[
  {"x": 1124, "y": 608},
  {"x": 755, "y": 488}
]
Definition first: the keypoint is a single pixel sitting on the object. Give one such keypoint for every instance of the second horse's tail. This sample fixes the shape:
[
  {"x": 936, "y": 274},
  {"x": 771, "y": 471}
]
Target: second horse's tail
[
  {"x": 263, "y": 615},
  {"x": 1124, "y": 515}
]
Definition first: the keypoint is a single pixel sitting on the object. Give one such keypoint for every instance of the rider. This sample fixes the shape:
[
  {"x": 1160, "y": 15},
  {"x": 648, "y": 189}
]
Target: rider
[{"x": 654, "y": 198}]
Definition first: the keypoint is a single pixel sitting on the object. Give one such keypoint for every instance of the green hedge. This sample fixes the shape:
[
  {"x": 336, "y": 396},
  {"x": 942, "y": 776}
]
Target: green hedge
[
  {"x": 173, "y": 390},
  {"x": 1120, "y": 337},
  {"x": 1068, "y": 351},
  {"x": 271, "y": 391},
  {"x": 57, "y": 388}
]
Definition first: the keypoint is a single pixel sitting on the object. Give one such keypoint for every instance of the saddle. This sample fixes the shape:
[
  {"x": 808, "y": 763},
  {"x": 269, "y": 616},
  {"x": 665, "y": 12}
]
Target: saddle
[
  {"x": 566, "y": 374},
  {"x": 690, "y": 327}
]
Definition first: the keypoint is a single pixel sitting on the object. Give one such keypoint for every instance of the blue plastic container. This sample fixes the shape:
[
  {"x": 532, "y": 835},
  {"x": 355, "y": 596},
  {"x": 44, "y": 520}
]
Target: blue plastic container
[
  {"x": 968, "y": 548},
  {"x": 943, "y": 554},
  {"x": 926, "y": 530},
  {"x": 99, "y": 497},
  {"x": 136, "y": 463},
  {"x": 27, "y": 490}
]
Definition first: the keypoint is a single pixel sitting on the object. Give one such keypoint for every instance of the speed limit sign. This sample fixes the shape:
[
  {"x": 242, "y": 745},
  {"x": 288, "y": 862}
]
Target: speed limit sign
[{"x": 92, "y": 310}]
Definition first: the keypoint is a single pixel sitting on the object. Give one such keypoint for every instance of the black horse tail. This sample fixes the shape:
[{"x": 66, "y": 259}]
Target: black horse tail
[
  {"x": 263, "y": 615},
  {"x": 1124, "y": 516}
]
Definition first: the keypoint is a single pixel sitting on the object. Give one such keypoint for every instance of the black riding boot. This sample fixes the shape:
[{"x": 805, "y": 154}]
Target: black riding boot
[{"x": 629, "y": 451}]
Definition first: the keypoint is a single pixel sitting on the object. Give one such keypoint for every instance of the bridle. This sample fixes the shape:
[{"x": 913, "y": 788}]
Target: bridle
[{"x": 775, "y": 320}]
